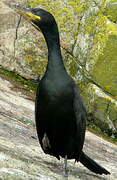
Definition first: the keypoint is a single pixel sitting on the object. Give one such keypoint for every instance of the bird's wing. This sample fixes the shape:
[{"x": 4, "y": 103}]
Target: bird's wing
[{"x": 80, "y": 114}]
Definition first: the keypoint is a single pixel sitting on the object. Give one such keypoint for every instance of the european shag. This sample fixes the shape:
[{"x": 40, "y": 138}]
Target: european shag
[{"x": 59, "y": 111}]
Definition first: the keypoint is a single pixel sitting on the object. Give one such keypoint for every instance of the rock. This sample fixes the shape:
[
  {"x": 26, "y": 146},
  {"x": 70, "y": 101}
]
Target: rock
[
  {"x": 100, "y": 96},
  {"x": 102, "y": 108},
  {"x": 18, "y": 50},
  {"x": 21, "y": 156},
  {"x": 112, "y": 10}
]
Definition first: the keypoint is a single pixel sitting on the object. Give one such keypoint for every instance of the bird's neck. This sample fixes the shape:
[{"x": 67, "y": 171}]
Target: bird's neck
[{"x": 55, "y": 61}]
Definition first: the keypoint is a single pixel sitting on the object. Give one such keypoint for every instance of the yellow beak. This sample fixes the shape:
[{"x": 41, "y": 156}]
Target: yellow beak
[{"x": 27, "y": 14}]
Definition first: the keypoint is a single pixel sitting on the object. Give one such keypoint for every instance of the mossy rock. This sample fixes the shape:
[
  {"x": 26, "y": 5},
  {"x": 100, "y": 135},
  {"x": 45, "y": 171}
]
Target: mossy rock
[
  {"x": 102, "y": 109},
  {"x": 111, "y": 11},
  {"x": 105, "y": 70}
]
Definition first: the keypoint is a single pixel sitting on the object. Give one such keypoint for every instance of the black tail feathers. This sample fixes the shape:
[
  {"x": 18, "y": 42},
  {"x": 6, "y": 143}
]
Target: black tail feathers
[{"x": 92, "y": 165}]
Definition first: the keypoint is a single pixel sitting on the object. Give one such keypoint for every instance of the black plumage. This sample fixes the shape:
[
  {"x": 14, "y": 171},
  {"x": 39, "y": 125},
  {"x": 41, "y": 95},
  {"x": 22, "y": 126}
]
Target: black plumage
[{"x": 59, "y": 112}]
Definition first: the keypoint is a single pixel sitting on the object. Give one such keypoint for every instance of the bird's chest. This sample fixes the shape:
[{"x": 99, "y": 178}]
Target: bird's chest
[
  {"x": 55, "y": 108},
  {"x": 56, "y": 98}
]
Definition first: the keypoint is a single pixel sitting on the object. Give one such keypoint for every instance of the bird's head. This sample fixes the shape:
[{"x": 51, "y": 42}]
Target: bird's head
[{"x": 39, "y": 18}]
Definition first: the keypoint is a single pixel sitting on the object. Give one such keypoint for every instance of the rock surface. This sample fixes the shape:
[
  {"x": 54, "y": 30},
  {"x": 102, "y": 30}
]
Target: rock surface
[
  {"x": 100, "y": 96},
  {"x": 16, "y": 42},
  {"x": 21, "y": 157}
]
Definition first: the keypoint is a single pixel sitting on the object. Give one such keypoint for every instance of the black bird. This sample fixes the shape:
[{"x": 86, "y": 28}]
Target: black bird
[{"x": 59, "y": 111}]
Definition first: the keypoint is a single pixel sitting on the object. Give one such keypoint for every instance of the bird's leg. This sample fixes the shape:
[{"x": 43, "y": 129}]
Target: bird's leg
[{"x": 65, "y": 167}]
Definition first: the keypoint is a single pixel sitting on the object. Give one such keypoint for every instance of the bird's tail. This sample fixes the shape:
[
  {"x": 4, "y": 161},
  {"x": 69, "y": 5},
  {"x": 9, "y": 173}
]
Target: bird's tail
[{"x": 92, "y": 165}]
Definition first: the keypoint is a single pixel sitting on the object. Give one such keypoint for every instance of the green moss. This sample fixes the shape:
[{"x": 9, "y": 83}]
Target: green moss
[
  {"x": 111, "y": 11},
  {"x": 27, "y": 122},
  {"x": 105, "y": 70},
  {"x": 33, "y": 59},
  {"x": 17, "y": 78},
  {"x": 108, "y": 135},
  {"x": 96, "y": 130},
  {"x": 99, "y": 109}
]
